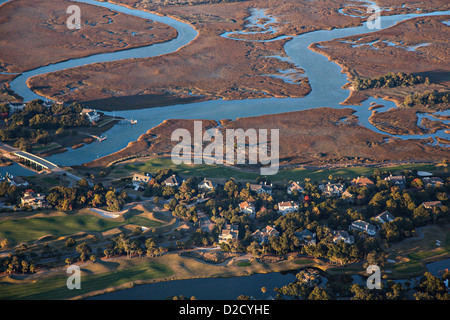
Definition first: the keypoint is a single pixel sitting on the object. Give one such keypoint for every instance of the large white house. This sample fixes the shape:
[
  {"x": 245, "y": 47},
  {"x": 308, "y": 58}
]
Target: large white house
[
  {"x": 229, "y": 233},
  {"x": 261, "y": 188},
  {"x": 248, "y": 207},
  {"x": 34, "y": 200},
  {"x": 286, "y": 207},
  {"x": 263, "y": 235},
  {"x": 91, "y": 114},
  {"x": 207, "y": 185},
  {"x": 173, "y": 181},
  {"x": 332, "y": 189},
  {"x": 344, "y": 236},
  {"x": 363, "y": 226},
  {"x": 385, "y": 217},
  {"x": 141, "y": 180},
  {"x": 295, "y": 186},
  {"x": 15, "y": 107}
]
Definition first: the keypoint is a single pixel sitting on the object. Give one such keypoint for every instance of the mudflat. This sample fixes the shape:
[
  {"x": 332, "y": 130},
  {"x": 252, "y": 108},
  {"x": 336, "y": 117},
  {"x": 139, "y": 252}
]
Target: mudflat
[
  {"x": 314, "y": 137},
  {"x": 212, "y": 66},
  {"x": 36, "y": 35}
]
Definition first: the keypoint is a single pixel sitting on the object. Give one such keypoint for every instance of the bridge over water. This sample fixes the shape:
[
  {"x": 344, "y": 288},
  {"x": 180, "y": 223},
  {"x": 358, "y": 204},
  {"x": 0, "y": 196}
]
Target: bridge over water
[{"x": 32, "y": 159}]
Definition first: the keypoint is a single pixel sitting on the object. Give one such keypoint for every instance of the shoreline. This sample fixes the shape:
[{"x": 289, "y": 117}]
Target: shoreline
[{"x": 289, "y": 268}]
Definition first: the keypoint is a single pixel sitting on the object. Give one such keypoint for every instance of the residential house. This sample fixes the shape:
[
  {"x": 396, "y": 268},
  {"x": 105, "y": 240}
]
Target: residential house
[
  {"x": 286, "y": 207},
  {"x": 173, "y": 181},
  {"x": 385, "y": 217},
  {"x": 34, "y": 200},
  {"x": 432, "y": 204},
  {"x": 261, "y": 188},
  {"x": 263, "y": 235},
  {"x": 433, "y": 182},
  {"x": 248, "y": 207},
  {"x": 15, "y": 107},
  {"x": 141, "y": 180},
  {"x": 362, "y": 182},
  {"x": 332, "y": 189},
  {"x": 295, "y": 186},
  {"x": 207, "y": 185},
  {"x": 91, "y": 114},
  {"x": 342, "y": 235},
  {"x": 306, "y": 236},
  {"x": 229, "y": 233},
  {"x": 399, "y": 181},
  {"x": 363, "y": 226},
  {"x": 347, "y": 196},
  {"x": 16, "y": 181}
]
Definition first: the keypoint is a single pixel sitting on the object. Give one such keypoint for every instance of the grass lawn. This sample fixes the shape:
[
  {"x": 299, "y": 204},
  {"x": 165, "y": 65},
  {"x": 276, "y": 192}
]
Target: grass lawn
[
  {"x": 415, "y": 253},
  {"x": 304, "y": 261},
  {"x": 28, "y": 229},
  {"x": 112, "y": 274},
  {"x": 243, "y": 264},
  {"x": 222, "y": 172},
  {"x": 144, "y": 222},
  {"x": 409, "y": 268},
  {"x": 45, "y": 148}
]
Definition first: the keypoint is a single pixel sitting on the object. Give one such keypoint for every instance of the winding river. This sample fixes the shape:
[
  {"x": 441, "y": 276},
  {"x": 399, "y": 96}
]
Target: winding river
[{"x": 325, "y": 78}]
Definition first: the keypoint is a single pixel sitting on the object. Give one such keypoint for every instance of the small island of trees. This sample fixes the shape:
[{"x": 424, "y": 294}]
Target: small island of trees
[{"x": 389, "y": 80}]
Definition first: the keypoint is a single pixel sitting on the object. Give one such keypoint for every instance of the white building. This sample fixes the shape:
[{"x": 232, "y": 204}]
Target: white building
[
  {"x": 207, "y": 185},
  {"x": 332, "y": 189},
  {"x": 16, "y": 181},
  {"x": 286, "y": 207},
  {"x": 16, "y": 107},
  {"x": 91, "y": 114},
  {"x": 295, "y": 186},
  {"x": 385, "y": 217},
  {"x": 141, "y": 180},
  {"x": 261, "y": 188},
  {"x": 229, "y": 233},
  {"x": 248, "y": 207},
  {"x": 342, "y": 235},
  {"x": 363, "y": 226}
]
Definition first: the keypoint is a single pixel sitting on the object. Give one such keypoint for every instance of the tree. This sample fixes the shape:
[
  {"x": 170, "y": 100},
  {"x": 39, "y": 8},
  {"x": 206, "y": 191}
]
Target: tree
[
  {"x": 70, "y": 242},
  {"x": 376, "y": 257},
  {"x": 5, "y": 243},
  {"x": 319, "y": 294},
  {"x": 431, "y": 288},
  {"x": 25, "y": 266},
  {"x": 107, "y": 253},
  {"x": 84, "y": 250},
  {"x": 68, "y": 261}
]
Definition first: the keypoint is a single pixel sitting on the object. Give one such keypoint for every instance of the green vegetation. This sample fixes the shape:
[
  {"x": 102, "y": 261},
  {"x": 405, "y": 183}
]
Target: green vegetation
[
  {"x": 83, "y": 195},
  {"x": 304, "y": 261},
  {"x": 33, "y": 122},
  {"x": 389, "y": 80},
  {"x": 64, "y": 225},
  {"x": 57, "y": 226},
  {"x": 428, "y": 99},
  {"x": 55, "y": 287},
  {"x": 222, "y": 172}
]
